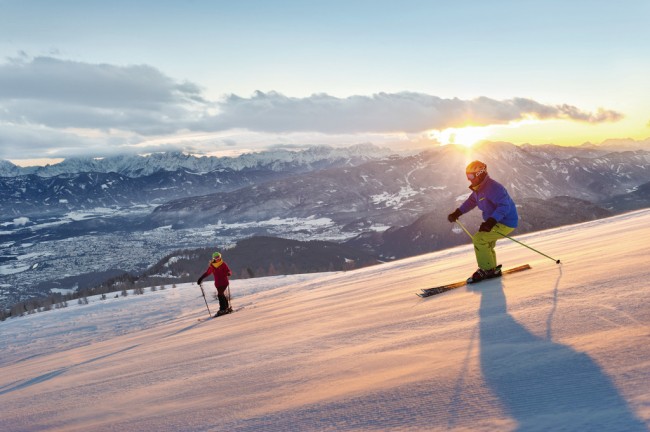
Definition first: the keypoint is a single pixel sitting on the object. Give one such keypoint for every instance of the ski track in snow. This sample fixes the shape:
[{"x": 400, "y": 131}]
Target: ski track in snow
[{"x": 559, "y": 347}]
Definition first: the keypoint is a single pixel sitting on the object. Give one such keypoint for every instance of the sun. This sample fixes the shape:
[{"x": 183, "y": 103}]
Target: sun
[{"x": 466, "y": 136}]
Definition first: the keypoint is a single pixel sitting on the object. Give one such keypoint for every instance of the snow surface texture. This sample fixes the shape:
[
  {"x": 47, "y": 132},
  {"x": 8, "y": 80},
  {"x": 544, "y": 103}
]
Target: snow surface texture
[{"x": 559, "y": 347}]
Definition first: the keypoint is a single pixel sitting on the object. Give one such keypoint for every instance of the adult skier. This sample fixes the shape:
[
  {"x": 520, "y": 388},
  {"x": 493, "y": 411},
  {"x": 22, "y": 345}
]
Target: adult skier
[
  {"x": 499, "y": 216},
  {"x": 221, "y": 271}
]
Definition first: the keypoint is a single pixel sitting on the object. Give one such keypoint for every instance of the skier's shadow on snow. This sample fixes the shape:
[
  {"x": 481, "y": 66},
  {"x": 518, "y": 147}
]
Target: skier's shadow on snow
[{"x": 541, "y": 384}]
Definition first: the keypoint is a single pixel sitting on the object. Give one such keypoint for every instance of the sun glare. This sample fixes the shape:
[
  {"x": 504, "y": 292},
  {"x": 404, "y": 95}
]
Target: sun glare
[
  {"x": 467, "y": 136},
  {"x": 35, "y": 162}
]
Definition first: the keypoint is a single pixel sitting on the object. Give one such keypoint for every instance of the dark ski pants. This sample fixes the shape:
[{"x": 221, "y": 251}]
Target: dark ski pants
[{"x": 221, "y": 295}]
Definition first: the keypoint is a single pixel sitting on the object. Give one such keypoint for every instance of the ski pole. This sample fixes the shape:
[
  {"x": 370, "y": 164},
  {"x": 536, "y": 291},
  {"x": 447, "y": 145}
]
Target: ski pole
[
  {"x": 514, "y": 240},
  {"x": 206, "y": 300},
  {"x": 534, "y": 250},
  {"x": 229, "y": 299}
]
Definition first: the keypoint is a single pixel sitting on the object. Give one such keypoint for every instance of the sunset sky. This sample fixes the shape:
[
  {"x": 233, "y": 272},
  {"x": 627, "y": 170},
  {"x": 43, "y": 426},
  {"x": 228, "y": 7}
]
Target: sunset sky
[{"x": 95, "y": 78}]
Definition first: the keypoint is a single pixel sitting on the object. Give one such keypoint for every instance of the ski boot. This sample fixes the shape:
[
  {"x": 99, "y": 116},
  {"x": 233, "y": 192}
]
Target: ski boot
[
  {"x": 223, "y": 312},
  {"x": 481, "y": 274}
]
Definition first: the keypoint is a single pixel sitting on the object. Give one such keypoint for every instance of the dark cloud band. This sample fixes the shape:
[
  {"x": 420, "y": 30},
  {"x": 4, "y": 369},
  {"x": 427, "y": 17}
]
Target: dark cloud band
[{"x": 383, "y": 112}]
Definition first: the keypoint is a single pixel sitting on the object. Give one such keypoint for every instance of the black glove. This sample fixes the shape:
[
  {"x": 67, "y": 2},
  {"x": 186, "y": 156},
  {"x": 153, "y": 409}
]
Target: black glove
[
  {"x": 454, "y": 216},
  {"x": 199, "y": 281},
  {"x": 488, "y": 225}
]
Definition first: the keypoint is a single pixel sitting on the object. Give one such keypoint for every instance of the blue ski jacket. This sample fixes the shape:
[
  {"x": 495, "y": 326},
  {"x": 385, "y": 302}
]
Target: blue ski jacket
[{"x": 493, "y": 200}]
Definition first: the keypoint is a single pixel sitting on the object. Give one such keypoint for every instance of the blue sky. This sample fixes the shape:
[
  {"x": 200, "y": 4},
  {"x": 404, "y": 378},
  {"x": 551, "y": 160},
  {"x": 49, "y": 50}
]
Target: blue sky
[{"x": 95, "y": 78}]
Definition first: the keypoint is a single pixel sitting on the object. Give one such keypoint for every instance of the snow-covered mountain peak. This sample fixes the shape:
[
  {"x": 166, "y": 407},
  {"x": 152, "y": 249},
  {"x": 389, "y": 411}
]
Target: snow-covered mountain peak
[
  {"x": 7, "y": 169},
  {"x": 311, "y": 155}
]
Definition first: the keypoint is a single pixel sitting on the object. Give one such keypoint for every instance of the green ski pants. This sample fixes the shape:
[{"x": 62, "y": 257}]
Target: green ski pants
[{"x": 484, "y": 243}]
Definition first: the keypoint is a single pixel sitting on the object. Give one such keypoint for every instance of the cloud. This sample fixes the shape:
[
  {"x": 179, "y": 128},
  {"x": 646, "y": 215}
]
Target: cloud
[
  {"x": 382, "y": 113},
  {"x": 67, "y": 94},
  {"x": 26, "y": 142},
  {"x": 100, "y": 85},
  {"x": 20, "y": 141},
  {"x": 600, "y": 116},
  {"x": 63, "y": 107},
  {"x": 229, "y": 142}
]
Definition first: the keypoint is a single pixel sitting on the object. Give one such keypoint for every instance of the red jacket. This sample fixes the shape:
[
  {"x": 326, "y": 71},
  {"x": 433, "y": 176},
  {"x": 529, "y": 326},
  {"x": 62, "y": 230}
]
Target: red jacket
[{"x": 220, "y": 272}]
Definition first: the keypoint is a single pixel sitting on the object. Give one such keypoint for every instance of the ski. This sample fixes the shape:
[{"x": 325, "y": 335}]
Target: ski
[
  {"x": 217, "y": 315},
  {"x": 427, "y": 292}
]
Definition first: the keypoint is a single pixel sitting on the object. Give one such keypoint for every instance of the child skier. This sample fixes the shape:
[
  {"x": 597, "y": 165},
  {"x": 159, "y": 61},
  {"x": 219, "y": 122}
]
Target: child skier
[
  {"x": 499, "y": 216},
  {"x": 220, "y": 270}
]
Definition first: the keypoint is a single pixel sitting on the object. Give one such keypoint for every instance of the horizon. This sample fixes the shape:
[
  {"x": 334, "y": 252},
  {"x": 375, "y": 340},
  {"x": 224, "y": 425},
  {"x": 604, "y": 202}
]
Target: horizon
[
  {"x": 33, "y": 163},
  {"x": 220, "y": 78}
]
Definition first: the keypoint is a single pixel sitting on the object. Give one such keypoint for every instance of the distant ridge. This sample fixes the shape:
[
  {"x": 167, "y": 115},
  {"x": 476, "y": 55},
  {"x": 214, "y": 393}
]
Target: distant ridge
[{"x": 139, "y": 166}]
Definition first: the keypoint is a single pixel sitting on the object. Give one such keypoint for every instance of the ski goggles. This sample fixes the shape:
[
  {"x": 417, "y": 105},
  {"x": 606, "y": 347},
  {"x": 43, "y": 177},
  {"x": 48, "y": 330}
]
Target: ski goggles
[{"x": 472, "y": 176}]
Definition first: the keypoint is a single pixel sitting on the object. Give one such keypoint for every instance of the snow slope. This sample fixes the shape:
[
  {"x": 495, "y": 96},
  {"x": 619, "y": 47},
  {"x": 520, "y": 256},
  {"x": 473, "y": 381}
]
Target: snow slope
[{"x": 553, "y": 348}]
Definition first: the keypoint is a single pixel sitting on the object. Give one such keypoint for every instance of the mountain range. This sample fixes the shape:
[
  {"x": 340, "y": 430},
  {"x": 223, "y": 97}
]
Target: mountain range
[
  {"x": 397, "y": 190},
  {"x": 87, "y": 183},
  {"x": 312, "y": 157},
  {"x": 317, "y": 182}
]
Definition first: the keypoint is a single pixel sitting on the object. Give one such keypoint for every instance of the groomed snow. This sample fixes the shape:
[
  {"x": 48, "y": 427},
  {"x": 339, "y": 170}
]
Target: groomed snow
[{"x": 559, "y": 347}]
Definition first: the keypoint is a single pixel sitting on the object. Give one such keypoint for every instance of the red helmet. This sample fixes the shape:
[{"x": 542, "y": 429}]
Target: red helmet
[{"x": 476, "y": 172}]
